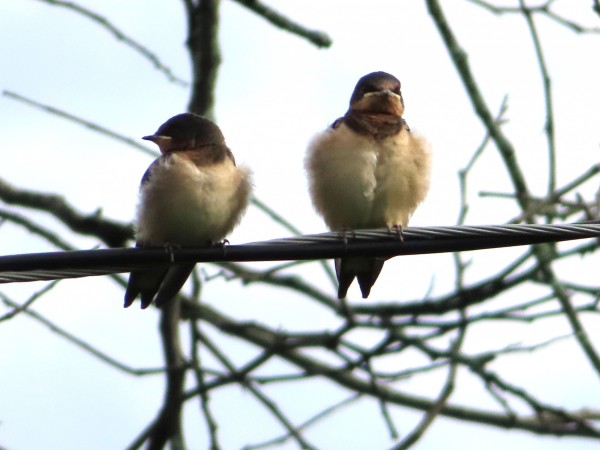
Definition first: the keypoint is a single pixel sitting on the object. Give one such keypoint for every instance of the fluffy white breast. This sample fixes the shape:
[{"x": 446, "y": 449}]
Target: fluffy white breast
[
  {"x": 183, "y": 204},
  {"x": 357, "y": 182},
  {"x": 403, "y": 176},
  {"x": 341, "y": 166}
]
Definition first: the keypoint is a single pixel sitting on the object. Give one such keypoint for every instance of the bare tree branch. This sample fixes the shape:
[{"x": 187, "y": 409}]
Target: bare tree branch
[
  {"x": 205, "y": 54},
  {"x": 443, "y": 397},
  {"x": 547, "y": 84},
  {"x": 112, "y": 233},
  {"x": 204, "y": 398},
  {"x": 316, "y": 418},
  {"x": 459, "y": 59},
  {"x": 167, "y": 426},
  {"x": 69, "y": 337},
  {"x": 78, "y": 120},
  {"x": 543, "y": 9},
  {"x": 543, "y": 253},
  {"x": 258, "y": 394},
  {"x": 318, "y": 38},
  {"x": 121, "y": 36},
  {"x": 337, "y": 357},
  {"x": 34, "y": 228},
  {"x": 272, "y": 342}
]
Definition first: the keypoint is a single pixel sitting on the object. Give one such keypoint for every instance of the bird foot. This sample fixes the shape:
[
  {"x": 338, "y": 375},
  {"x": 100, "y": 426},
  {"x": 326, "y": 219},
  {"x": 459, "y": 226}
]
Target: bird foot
[
  {"x": 169, "y": 249},
  {"x": 223, "y": 245},
  {"x": 398, "y": 231},
  {"x": 344, "y": 233}
]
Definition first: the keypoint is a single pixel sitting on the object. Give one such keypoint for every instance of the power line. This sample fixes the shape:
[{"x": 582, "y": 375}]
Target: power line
[{"x": 379, "y": 242}]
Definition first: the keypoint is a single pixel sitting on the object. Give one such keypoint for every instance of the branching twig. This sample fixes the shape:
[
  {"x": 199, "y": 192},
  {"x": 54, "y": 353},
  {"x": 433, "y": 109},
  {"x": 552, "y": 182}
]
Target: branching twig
[
  {"x": 80, "y": 121},
  {"x": 79, "y": 342},
  {"x": 16, "y": 308},
  {"x": 547, "y": 84},
  {"x": 443, "y": 397},
  {"x": 121, "y": 36},
  {"x": 205, "y": 54},
  {"x": 279, "y": 219},
  {"x": 204, "y": 398},
  {"x": 50, "y": 236},
  {"x": 303, "y": 426},
  {"x": 318, "y": 38},
  {"x": 113, "y": 233},
  {"x": 459, "y": 264},
  {"x": 167, "y": 426},
  {"x": 269, "y": 340},
  {"x": 543, "y": 9},
  {"x": 268, "y": 403},
  {"x": 459, "y": 58}
]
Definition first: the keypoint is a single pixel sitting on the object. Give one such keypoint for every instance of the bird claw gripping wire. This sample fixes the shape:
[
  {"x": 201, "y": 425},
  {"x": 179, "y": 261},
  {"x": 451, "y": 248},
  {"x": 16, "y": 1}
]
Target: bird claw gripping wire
[
  {"x": 169, "y": 249},
  {"x": 398, "y": 231},
  {"x": 223, "y": 245},
  {"x": 343, "y": 235}
]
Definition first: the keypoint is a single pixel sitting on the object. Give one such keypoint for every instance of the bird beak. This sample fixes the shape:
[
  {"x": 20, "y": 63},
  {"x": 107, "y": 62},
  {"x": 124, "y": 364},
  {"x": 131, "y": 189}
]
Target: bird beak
[
  {"x": 163, "y": 142},
  {"x": 157, "y": 138},
  {"x": 386, "y": 92}
]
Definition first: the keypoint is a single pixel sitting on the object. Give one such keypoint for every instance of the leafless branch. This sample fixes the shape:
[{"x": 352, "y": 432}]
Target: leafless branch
[
  {"x": 318, "y": 38},
  {"x": 114, "y": 234},
  {"x": 121, "y": 36},
  {"x": 547, "y": 84},
  {"x": 80, "y": 121},
  {"x": 69, "y": 337}
]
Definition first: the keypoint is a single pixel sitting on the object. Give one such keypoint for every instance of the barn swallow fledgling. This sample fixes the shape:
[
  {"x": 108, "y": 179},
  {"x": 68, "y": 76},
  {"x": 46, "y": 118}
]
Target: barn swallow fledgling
[
  {"x": 192, "y": 195},
  {"x": 367, "y": 170}
]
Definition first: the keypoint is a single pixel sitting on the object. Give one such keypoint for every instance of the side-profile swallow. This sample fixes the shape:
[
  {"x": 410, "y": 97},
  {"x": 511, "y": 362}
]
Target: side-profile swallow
[
  {"x": 367, "y": 170},
  {"x": 192, "y": 195}
]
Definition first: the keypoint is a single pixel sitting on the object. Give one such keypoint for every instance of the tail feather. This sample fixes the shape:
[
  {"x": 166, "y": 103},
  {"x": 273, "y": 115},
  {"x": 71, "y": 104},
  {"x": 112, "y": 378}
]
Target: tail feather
[
  {"x": 145, "y": 283},
  {"x": 365, "y": 269},
  {"x": 160, "y": 284},
  {"x": 368, "y": 277},
  {"x": 174, "y": 280},
  {"x": 345, "y": 277}
]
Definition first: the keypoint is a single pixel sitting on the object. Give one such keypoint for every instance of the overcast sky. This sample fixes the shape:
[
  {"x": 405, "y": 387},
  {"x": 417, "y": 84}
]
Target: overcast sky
[{"x": 274, "y": 92}]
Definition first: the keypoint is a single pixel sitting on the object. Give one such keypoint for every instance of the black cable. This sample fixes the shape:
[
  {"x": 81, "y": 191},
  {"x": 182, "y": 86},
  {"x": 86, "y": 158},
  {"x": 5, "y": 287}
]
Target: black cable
[{"x": 380, "y": 242}]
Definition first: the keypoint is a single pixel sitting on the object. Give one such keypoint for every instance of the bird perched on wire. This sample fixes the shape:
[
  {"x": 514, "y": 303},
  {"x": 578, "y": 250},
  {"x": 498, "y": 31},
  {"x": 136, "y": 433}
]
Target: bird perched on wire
[
  {"x": 367, "y": 170},
  {"x": 192, "y": 195}
]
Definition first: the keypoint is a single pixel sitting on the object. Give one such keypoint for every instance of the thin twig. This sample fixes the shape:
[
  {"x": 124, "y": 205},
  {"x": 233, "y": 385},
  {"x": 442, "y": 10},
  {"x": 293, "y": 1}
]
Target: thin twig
[
  {"x": 34, "y": 228},
  {"x": 23, "y": 307},
  {"x": 287, "y": 225},
  {"x": 121, "y": 36},
  {"x": 204, "y": 397},
  {"x": 305, "y": 425},
  {"x": 80, "y": 121},
  {"x": 459, "y": 58},
  {"x": 317, "y": 38},
  {"x": 267, "y": 339},
  {"x": 443, "y": 397},
  {"x": 205, "y": 54},
  {"x": 547, "y": 84},
  {"x": 168, "y": 427},
  {"x": 114, "y": 234},
  {"x": 80, "y": 342},
  {"x": 543, "y": 9},
  {"x": 269, "y": 404}
]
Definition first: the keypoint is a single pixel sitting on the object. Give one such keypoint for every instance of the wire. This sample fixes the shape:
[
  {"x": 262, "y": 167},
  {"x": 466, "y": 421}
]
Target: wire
[{"x": 369, "y": 243}]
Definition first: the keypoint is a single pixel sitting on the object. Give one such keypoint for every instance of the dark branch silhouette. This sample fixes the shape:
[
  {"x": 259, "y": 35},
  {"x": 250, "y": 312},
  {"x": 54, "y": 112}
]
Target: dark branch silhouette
[{"x": 436, "y": 327}]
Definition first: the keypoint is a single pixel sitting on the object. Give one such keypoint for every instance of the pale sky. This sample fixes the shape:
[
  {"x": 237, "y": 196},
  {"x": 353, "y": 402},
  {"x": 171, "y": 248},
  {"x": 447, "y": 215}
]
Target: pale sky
[{"x": 274, "y": 92}]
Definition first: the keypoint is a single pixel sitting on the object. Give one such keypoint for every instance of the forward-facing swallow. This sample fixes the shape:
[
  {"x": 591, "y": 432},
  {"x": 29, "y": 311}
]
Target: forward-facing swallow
[
  {"x": 367, "y": 170},
  {"x": 192, "y": 195}
]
